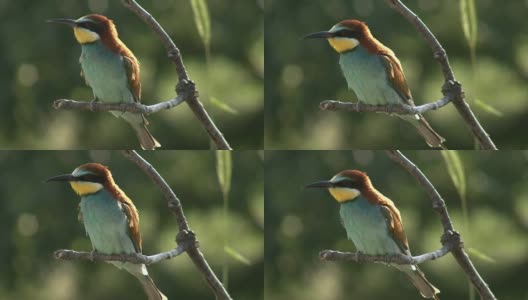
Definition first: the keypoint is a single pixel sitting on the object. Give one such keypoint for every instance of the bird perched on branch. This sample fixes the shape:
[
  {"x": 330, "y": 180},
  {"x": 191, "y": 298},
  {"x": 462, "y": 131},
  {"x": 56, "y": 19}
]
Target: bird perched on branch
[
  {"x": 373, "y": 222},
  {"x": 110, "y": 69},
  {"x": 110, "y": 218},
  {"x": 373, "y": 72}
]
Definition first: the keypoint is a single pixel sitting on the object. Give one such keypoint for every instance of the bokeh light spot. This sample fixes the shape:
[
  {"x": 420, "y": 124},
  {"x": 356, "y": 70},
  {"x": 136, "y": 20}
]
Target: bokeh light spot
[
  {"x": 27, "y": 224},
  {"x": 27, "y": 74}
]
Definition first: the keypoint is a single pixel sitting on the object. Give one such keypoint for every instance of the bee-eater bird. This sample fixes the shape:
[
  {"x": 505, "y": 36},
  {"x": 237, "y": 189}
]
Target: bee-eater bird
[
  {"x": 110, "y": 219},
  {"x": 110, "y": 69},
  {"x": 373, "y": 72},
  {"x": 373, "y": 222}
]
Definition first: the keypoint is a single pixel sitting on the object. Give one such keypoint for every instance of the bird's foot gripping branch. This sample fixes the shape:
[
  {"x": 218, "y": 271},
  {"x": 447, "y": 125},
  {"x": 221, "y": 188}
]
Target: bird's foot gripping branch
[
  {"x": 400, "y": 109},
  {"x": 138, "y": 108},
  {"x": 186, "y": 239},
  {"x": 134, "y": 258},
  {"x": 450, "y": 240}
]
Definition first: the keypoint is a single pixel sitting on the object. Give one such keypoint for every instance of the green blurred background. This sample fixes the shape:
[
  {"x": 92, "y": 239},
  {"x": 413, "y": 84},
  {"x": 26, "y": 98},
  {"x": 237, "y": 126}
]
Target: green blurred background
[
  {"x": 302, "y": 73},
  {"x": 38, "y": 218},
  {"x": 300, "y": 223},
  {"x": 40, "y": 63}
]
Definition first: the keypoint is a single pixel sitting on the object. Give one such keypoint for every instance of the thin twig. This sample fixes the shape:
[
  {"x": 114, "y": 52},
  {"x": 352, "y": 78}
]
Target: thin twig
[
  {"x": 135, "y": 258},
  {"x": 185, "y": 86},
  {"x": 67, "y": 104},
  {"x": 449, "y": 234},
  {"x": 451, "y": 89},
  {"x": 400, "y": 259},
  {"x": 401, "y": 109},
  {"x": 185, "y": 235}
]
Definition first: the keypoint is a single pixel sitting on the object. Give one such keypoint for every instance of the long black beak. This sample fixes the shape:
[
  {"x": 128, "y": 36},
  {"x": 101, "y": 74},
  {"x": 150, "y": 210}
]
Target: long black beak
[
  {"x": 320, "y": 35},
  {"x": 320, "y": 184},
  {"x": 69, "y": 22},
  {"x": 65, "y": 177}
]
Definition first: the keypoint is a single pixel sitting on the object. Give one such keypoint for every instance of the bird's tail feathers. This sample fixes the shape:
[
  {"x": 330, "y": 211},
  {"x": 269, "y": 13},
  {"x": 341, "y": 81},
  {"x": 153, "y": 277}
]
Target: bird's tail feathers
[
  {"x": 146, "y": 140},
  {"x": 426, "y": 289},
  {"x": 153, "y": 293},
  {"x": 432, "y": 138},
  {"x": 139, "y": 123}
]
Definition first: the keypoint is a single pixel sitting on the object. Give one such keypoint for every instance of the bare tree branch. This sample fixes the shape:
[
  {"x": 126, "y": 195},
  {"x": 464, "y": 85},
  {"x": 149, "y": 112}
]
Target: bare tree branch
[
  {"x": 185, "y": 235},
  {"x": 185, "y": 87},
  {"x": 402, "y": 109},
  {"x": 67, "y": 104},
  {"x": 331, "y": 255},
  {"x": 135, "y": 258},
  {"x": 452, "y": 91},
  {"x": 439, "y": 206}
]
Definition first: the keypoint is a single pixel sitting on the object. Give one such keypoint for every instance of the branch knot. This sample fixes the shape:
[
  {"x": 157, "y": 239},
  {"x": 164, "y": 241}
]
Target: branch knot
[
  {"x": 440, "y": 54},
  {"x": 452, "y": 239},
  {"x": 452, "y": 89},
  {"x": 173, "y": 53},
  {"x": 187, "y": 238},
  {"x": 187, "y": 89}
]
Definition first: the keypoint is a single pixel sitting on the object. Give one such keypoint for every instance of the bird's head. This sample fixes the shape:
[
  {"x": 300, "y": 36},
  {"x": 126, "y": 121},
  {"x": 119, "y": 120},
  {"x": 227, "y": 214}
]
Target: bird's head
[
  {"x": 87, "y": 179},
  {"x": 344, "y": 36},
  {"x": 345, "y": 186},
  {"x": 90, "y": 28}
]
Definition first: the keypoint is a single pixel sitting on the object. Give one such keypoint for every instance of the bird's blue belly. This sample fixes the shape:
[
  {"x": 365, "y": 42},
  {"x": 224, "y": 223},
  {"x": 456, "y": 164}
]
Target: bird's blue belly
[
  {"x": 105, "y": 72},
  {"x": 366, "y": 76},
  {"x": 366, "y": 226},
  {"x": 106, "y": 224}
]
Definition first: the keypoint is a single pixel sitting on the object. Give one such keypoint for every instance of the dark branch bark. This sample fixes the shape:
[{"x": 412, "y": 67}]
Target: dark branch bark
[
  {"x": 403, "y": 109},
  {"x": 185, "y": 235},
  {"x": 135, "y": 258},
  {"x": 451, "y": 89},
  {"x": 457, "y": 248},
  {"x": 185, "y": 87},
  {"x": 67, "y": 104}
]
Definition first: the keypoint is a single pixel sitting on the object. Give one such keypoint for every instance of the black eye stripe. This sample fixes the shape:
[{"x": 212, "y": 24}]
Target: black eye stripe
[
  {"x": 348, "y": 184},
  {"x": 91, "y": 178},
  {"x": 97, "y": 28},
  {"x": 347, "y": 33}
]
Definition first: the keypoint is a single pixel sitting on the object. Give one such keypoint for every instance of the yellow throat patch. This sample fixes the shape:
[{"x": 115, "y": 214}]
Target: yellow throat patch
[
  {"x": 85, "y": 188},
  {"x": 343, "y": 44},
  {"x": 85, "y": 36},
  {"x": 343, "y": 194}
]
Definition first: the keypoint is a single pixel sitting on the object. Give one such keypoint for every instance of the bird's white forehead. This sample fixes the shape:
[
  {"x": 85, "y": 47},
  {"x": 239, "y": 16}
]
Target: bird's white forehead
[
  {"x": 337, "y": 178},
  {"x": 84, "y": 18},
  {"x": 76, "y": 172},
  {"x": 336, "y": 27},
  {"x": 80, "y": 171}
]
